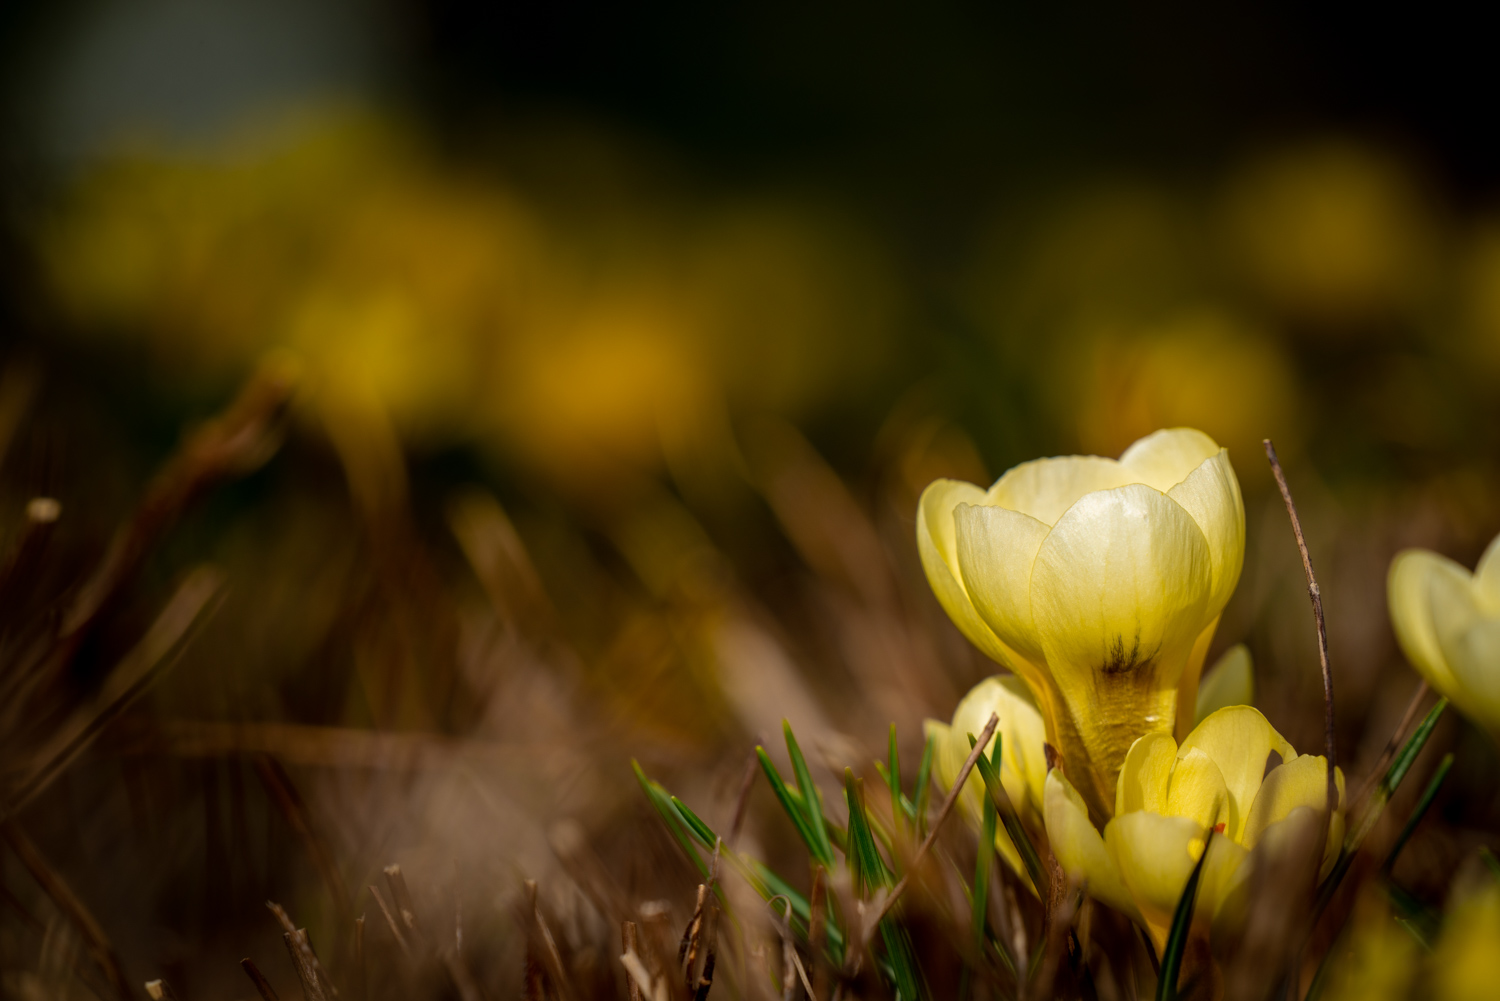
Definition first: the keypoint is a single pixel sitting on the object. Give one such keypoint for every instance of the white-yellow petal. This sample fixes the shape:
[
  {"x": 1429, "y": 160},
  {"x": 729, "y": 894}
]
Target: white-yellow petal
[
  {"x": 1303, "y": 781},
  {"x": 1080, "y": 849},
  {"x": 1239, "y": 740},
  {"x": 1165, "y": 458},
  {"x": 1487, "y": 579},
  {"x": 1469, "y": 642},
  {"x": 1021, "y": 731},
  {"x": 996, "y": 549},
  {"x": 1155, "y": 856},
  {"x": 1211, "y": 494},
  {"x": 937, "y": 545},
  {"x": 1119, "y": 594},
  {"x": 1045, "y": 488},
  {"x": 1230, "y": 682},
  {"x": 1146, "y": 774},
  {"x": 1409, "y": 595},
  {"x": 1197, "y": 791}
]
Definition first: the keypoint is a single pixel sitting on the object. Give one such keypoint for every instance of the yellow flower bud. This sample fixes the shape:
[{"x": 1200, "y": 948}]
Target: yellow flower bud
[
  {"x": 1099, "y": 582},
  {"x": 1167, "y": 800},
  {"x": 1023, "y": 757},
  {"x": 1448, "y": 623}
]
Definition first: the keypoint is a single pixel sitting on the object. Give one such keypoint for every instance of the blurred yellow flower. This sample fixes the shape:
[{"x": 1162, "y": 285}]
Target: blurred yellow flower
[
  {"x": 1099, "y": 582},
  {"x": 1023, "y": 756},
  {"x": 1466, "y": 960},
  {"x": 1448, "y": 623},
  {"x": 1167, "y": 800}
]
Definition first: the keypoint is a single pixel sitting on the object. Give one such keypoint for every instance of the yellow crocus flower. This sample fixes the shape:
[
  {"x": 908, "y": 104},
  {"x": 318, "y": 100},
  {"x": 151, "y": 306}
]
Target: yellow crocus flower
[
  {"x": 1465, "y": 964},
  {"x": 1448, "y": 623},
  {"x": 1098, "y": 581},
  {"x": 1023, "y": 757},
  {"x": 1167, "y": 800}
]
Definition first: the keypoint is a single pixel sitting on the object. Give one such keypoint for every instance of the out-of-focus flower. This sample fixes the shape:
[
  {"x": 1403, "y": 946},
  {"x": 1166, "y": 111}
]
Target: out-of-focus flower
[
  {"x": 1202, "y": 368},
  {"x": 1465, "y": 963},
  {"x": 1230, "y": 682},
  {"x": 1448, "y": 623},
  {"x": 1375, "y": 959},
  {"x": 1023, "y": 756},
  {"x": 1333, "y": 233},
  {"x": 1099, "y": 582},
  {"x": 1167, "y": 801}
]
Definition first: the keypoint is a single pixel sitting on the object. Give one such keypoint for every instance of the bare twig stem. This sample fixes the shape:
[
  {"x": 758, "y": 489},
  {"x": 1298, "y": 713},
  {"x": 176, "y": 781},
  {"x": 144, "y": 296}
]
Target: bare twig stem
[
  {"x": 628, "y": 941},
  {"x": 262, "y": 985},
  {"x": 1316, "y": 596},
  {"x": 390, "y": 919},
  {"x": 943, "y": 811}
]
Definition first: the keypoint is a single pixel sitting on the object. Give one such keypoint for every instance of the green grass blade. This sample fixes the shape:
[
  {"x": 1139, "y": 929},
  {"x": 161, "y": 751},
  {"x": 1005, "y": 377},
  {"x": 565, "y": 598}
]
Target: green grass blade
[
  {"x": 1413, "y": 747},
  {"x": 823, "y": 850},
  {"x": 1423, "y": 804},
  {"x": 893, "y": 778},
  {"x": 990, "y": 772},
  {"x": 1182, "y": 923},
  {"x": 979, "y": 900},
  {"x": 865, "y": 863},
  {"x": 792, "y": 805},
  {"x": 662, "y": 801},
  {"x": 922, "y": 795}
]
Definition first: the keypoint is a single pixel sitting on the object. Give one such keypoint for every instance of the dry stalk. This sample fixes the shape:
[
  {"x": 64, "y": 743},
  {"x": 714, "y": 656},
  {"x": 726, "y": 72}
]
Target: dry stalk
[
  {"x": 542, "y": 935},
  {"x": 628, "y": 942},
  {"x": 305, "y": 958},
  {"x": 160, "y": 990},
  {"x": 57, "y": 888},
  {"x": 262, "y": 985},
  {"x": 390, "y": 919},
  {"x": 1315, "y": 595},
  {"x": 283, "y": 792},
  {"x": 307, "y": 973},
  {"x": 1398, "y": 737}
]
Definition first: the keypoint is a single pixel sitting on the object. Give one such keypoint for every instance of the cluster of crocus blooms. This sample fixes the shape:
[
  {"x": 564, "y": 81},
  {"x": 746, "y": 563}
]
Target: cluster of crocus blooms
[
  {"x": 1099, "y": 584},
  {"x": 1448, "y": 623}
]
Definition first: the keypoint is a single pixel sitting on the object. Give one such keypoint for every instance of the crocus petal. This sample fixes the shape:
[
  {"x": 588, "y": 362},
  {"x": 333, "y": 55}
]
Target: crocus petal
[
  {"x": 996, "y": 548},
  {"x": 1197, "y": 790},
  {"x": 1487, "y": 579},
  {"x": 1470, "y": 645},
  {"x": 1303, "y": 781},
  {"x": 1155, "y": 856},
  {"x": 1187, "y": 686},
  {"x": 1145, "y": 775},
  {"x": 1118, "y": 594},
  {"x": 1239, "y": 740},
  {"x": 1045, "y": 488},
  {"x": 1211, "y": 494},
  {"x": 1298, "y": 831},
  {"x": 937, "y": 544},
  {"x": 1165, "y": 458},
  {"x": 1408, "y": 591},
  {"x": 1078, "y": 847},
  {"x": 1230, "y": 682},
  {"x": 1023, "y": 760}
]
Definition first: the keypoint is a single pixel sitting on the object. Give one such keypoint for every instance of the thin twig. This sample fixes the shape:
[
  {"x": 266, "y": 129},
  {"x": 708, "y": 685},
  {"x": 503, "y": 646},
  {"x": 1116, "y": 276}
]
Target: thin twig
[
  {"x": 943, "y": 811},
  {"x": 305, "y": 957},
  {"x": 296, "y": 947},
  {"x": 160, "y": 990},
  {"x": 1316, "y": 596},
  {"x": 628, "y": 943}
]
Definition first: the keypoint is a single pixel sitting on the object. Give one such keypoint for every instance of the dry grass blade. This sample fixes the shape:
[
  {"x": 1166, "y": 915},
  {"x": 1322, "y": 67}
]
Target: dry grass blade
[
  {"x": 296, "y": 947},
  {"x": 125, "y": 683},
  {"x": 262, "y": 985},
  {"x": 67, "y": 901},
  {"x": 1315, "y": 595},
  {"x": 542, "y": 935},
  {"x": 390, "y": 920},
  {"x": 361, "y": 981},
  {"x": 628, "y": 942},
  {"x": 1397, "y": 736},
  {"x": 401, "y": 896},
  {"x": 958, "y": 785},
  {"x": 305, "y": 957},
  {"x": 160, "y": 990},
  {"x": 283, "y": 792}
]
